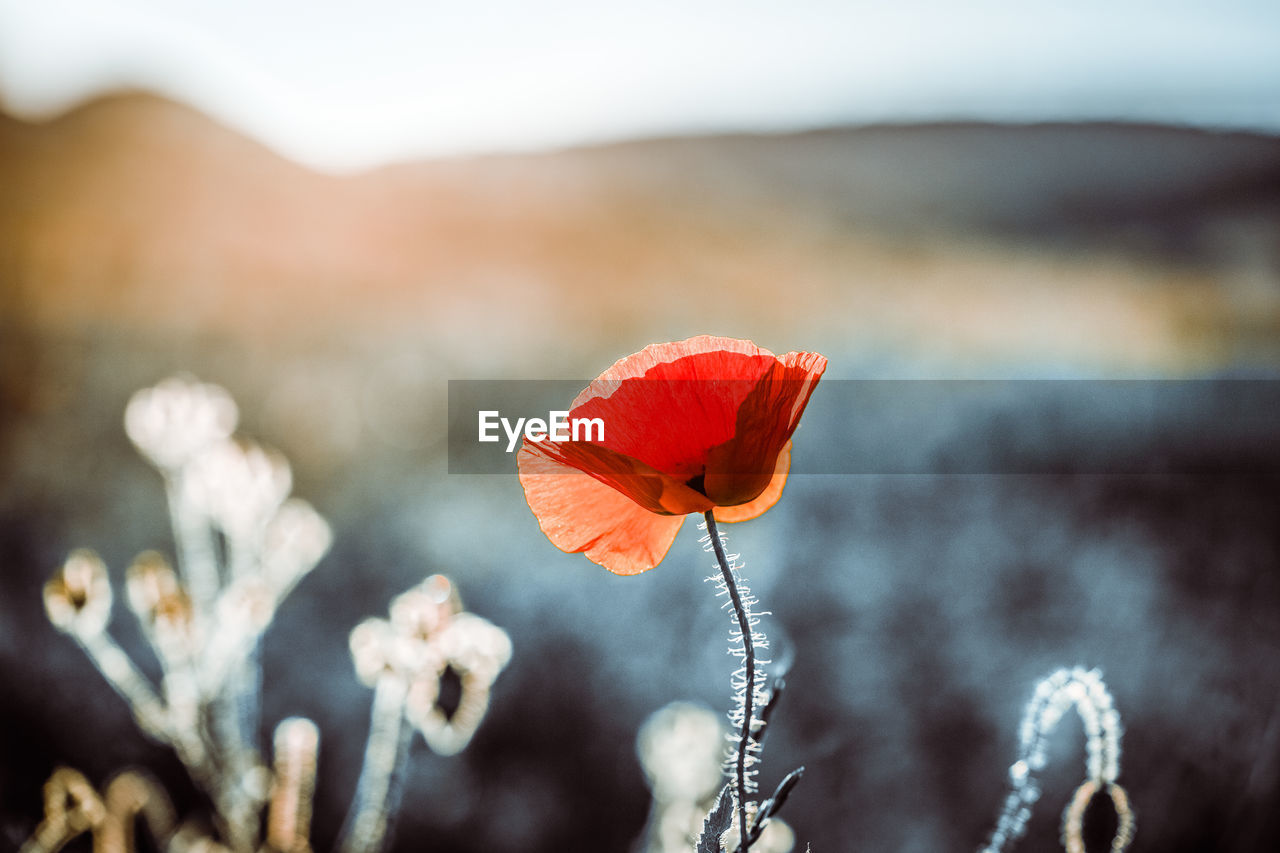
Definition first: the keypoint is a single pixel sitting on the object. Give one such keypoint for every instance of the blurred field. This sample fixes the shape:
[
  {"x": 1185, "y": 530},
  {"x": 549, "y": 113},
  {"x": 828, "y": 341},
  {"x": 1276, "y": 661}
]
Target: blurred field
[
  {"x": 137, "y": 238},
  {"x": 1031, "y": 242}
]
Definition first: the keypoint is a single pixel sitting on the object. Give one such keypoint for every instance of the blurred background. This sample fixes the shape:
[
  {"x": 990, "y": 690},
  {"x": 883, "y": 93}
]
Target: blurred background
[{"x": 331, "y": 209}]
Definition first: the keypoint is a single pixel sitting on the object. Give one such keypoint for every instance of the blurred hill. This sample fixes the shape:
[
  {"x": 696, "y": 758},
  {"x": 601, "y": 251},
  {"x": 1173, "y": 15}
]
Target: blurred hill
[{"x": 144, "y": 214}]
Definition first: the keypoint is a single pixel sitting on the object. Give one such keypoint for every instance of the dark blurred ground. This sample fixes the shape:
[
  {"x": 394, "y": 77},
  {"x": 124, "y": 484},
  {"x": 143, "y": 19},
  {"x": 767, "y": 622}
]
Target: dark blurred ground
[{"x": 138, "y": 239}]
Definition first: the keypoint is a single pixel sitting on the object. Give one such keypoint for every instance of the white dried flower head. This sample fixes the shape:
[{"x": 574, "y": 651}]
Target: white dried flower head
[
  {"x": 427, "y": 608},
  {"x": 239, "y": 484},
  {"x": 246, "y": 607},
  {"x": 78, "y": 597},
  {"x": 472, "y": 643},
  {"x": 172, "y": 421},
  {"x": 378, "y": 648},
  {"x": 296, "y": 538},
  {"x": 296, "y": 738},
  {"x": 680, "y": 748},
  {"x": 160, "y": 602},
  {"x": 148, "y": 582}
]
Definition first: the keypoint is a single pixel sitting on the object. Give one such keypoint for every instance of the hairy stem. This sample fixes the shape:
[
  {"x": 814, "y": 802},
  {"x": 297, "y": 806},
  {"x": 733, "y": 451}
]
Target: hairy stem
[{"x": 749, "y": 663}]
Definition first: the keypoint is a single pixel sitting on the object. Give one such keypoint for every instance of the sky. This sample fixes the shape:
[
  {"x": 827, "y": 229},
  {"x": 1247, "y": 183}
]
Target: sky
[{"x": 343, "y": 86}]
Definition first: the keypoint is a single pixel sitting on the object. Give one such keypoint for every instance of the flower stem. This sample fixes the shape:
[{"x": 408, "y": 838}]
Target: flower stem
[
  {"x": 196, "y": 553},
  {"x": 366, "y": 826},
  {"x": 749, "y": 664}
]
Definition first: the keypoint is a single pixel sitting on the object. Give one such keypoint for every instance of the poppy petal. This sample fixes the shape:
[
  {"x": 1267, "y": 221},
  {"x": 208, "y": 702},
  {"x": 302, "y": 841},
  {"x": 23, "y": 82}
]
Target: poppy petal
[
  {"x": 658, "y": 356},
  {"x": 738, "y": 470},
  {"x": 697, "y": 385},
  {"x": 580, "y": 514},
  {"x": 766, "y": 499},
  {"x": 654, "y": 490},
  {"x": 806, "y": 367}
]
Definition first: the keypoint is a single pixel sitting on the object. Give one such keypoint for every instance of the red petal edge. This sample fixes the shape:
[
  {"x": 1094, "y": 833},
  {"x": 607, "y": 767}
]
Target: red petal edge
[{"x": 580, "y": 514}]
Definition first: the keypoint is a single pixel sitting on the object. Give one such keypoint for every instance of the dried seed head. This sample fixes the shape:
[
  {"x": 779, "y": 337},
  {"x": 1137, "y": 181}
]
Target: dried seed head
[
  {"x": 378, "y": 649},
  {"x": 246, "y": 607},
  {"x": 152, "y": 586},
  {"x": 177, "y": 418},
  {"x": 296, "y": 538},
  {"x": 680, "y": 748},
  {"x": 475, "y": 645},
  {"x": 78, "y": 597},
  {"x": 240, "y": 484},
  {"x": 427, "y": 609},
  {"x": 157, "y": 597}
]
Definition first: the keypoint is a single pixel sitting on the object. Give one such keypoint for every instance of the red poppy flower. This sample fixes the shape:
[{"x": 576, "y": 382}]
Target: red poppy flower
[{"x": 698, "y": 425}]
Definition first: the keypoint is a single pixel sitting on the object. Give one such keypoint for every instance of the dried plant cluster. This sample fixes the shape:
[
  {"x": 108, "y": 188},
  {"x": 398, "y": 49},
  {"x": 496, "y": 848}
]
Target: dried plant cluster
[{"x": 242, "y": 545}]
